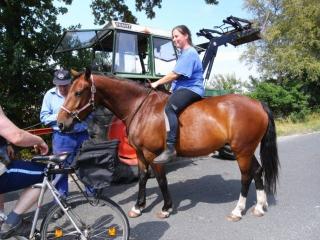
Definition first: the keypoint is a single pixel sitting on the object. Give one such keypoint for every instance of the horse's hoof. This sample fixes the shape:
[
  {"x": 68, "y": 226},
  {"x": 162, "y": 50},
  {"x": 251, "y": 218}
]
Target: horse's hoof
[
  {"x": 257, "y": 213},
  {"x": 163, "y": 214},
  {"x": 134, "y": 212},
  {"x": 233, "y": 218}
]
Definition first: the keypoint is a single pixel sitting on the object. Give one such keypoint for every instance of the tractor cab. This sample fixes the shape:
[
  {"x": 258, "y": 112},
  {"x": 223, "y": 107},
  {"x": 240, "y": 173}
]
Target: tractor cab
[{"x": 124, "y": 49}]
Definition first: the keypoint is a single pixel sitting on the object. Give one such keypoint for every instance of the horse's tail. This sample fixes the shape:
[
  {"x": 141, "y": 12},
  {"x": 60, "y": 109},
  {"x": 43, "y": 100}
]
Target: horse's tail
[{"x": 269, "y": 154}]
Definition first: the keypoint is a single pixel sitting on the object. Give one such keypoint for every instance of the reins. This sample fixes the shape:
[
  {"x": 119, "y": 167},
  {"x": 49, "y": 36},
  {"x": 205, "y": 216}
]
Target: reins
[{"x": 137, "y": 110}]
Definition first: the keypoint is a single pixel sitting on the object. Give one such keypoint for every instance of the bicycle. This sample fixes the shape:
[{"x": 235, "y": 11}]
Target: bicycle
[{"x": 80, "y": 216}]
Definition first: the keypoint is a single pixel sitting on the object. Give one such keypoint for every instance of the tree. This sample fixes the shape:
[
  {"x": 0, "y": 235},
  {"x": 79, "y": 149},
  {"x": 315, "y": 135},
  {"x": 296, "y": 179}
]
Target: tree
[
  {"x": 283, "y": 102},
  {"x": 28, "y": 32},
  {"x": 106, "y": 10},
  {"x": 226, "y": 82},
  {"x": 291, "y": 40},
  {"x": 290, "y": 47}
]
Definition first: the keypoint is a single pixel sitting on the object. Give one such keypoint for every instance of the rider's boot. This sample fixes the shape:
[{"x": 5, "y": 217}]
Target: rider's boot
[{"x": 167, "y": 155}]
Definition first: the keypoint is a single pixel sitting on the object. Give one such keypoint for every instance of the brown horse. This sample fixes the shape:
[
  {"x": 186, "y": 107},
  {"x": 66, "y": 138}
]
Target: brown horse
[{"x": 205, "y": 126}]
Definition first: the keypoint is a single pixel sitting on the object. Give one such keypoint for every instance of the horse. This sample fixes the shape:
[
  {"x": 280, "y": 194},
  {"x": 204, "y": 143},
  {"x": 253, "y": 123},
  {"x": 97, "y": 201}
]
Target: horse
[{"x": 204, "y": 126}]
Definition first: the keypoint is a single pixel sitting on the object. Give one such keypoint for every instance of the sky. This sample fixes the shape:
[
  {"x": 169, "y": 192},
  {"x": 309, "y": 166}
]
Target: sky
[{"x": 193, "y": 13}]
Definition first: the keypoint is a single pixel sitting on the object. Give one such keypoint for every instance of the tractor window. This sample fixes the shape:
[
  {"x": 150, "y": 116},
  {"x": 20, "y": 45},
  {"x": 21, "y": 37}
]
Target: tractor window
[
  {"x": 103, "y": 49},
  {"x": 73, "y": 40},
  {"x": 102, "y": 61},
  {"x": 164, "y": 55},
  {"x": 131, "y": 54}
]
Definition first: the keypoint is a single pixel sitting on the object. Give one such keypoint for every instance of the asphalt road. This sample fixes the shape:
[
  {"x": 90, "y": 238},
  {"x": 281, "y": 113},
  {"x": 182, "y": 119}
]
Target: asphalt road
[{"x": 205, "y": 190}]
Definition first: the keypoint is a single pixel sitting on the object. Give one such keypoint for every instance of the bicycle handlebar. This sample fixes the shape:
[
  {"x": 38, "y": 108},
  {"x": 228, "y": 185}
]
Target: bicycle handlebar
[{"x": 56, "y": 158}]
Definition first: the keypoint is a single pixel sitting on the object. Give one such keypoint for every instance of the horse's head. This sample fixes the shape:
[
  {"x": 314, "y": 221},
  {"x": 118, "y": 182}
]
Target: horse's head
[{"x": 79, "y": 102}]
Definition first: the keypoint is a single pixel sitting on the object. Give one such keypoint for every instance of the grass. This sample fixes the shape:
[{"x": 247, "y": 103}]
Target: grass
[{"x": 288, "y": 127}]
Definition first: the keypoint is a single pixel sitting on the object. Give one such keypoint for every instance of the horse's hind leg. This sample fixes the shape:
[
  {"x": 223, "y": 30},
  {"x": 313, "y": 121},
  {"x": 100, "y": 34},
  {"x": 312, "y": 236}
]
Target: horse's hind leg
[
  {"x": 245, "y": 165},
  {"x": 262, "y": 204}
]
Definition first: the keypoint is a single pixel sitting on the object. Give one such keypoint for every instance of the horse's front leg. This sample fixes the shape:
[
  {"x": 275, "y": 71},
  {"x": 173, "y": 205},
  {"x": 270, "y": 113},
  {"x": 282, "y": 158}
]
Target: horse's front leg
[
  {"x": 160, "y": 175},
  {"x": 137, "y": 209}
]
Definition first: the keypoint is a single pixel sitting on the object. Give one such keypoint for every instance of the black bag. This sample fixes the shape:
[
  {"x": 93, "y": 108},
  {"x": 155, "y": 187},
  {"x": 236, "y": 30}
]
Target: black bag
[{"x": 96, "y": 161}]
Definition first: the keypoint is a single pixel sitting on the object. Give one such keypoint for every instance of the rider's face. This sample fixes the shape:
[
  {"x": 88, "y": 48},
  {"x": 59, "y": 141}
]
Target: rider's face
[
  {"x": 179, "y": 40},
  {"x": 63, "y": 89}
]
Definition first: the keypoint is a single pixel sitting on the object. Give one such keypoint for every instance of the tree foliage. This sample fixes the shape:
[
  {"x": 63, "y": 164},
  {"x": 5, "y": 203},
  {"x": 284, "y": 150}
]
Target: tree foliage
[
  {"x": 28, "y": 32},
  {"x": 290, "y": 49},
  {"x": 283, "y": 102},
  {"x": 106, "y": 10},
  {"x": 226, "y": 82},
  {"x": 291, "y": 38}
]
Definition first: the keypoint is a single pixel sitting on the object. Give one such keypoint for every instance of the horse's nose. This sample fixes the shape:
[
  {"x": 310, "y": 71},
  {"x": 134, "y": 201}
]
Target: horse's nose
[{"x": 61, "y": 126}]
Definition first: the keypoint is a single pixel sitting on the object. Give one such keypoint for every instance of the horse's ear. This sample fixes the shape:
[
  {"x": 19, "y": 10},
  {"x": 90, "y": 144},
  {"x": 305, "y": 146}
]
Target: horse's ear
[
  {"x": 74, "y": 73},
  {"x": 87, "y": 73}
]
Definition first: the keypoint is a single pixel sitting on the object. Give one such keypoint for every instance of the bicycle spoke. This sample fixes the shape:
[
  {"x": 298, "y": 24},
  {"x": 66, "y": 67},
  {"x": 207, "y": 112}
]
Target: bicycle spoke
[{"x": 107, "y": 222}]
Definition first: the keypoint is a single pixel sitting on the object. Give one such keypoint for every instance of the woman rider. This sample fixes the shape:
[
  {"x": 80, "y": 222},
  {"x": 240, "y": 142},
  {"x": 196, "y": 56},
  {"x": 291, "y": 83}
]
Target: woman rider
[{"x": 187, "y": 87}]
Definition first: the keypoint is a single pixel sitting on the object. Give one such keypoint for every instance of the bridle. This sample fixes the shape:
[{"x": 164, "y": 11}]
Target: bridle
[{"x": 75, "y": 113}]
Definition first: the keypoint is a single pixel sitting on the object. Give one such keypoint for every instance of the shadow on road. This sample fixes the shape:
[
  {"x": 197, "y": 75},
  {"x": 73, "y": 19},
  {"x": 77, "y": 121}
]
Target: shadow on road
[
  {"x": 207, "y": 189},
  {"x": 144, "y": 230},
  {"x": 186, "y": 194},
  {"x": 116, "y": 189}
]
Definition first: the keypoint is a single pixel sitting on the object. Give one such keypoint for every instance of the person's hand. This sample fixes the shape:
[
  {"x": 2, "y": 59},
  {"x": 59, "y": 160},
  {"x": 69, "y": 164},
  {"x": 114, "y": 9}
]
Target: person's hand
[
  {"x": 42, "y": 148},
  {"x": 10, "y": 151},
  {"x": 154, "y": 85}
]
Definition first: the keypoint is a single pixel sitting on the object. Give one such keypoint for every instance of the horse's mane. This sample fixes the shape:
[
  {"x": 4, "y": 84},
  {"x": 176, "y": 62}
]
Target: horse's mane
[{"x": 141, "y": 85}]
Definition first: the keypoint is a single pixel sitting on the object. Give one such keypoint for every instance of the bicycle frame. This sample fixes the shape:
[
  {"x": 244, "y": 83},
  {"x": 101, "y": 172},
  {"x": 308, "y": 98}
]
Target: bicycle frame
[
  {"x": 47, "y": 184},
  {"x": 79, "y": 226}
]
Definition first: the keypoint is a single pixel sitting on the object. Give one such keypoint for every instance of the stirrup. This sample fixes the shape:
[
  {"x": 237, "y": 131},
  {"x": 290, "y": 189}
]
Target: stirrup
[{"x": 165, "y": 157}]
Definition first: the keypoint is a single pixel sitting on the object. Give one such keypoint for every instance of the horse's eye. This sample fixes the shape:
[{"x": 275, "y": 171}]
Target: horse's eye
[{"x": 78, "y": 94}]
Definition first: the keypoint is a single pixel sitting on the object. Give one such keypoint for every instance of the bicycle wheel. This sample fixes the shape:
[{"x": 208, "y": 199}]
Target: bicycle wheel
[{"x": 97, "y": 219}]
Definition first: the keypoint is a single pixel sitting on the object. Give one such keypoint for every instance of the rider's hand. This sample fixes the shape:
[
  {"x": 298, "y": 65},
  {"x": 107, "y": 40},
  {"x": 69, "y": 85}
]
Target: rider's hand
[
  {"x": 154, "y": 85},
  {"x": 42, "y": 148}
]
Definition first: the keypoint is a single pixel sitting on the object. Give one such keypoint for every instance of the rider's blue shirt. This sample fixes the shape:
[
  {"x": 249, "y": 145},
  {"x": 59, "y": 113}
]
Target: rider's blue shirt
[
  {"x": 189, "y": 67},
  {"x": 50, "y": 108}
]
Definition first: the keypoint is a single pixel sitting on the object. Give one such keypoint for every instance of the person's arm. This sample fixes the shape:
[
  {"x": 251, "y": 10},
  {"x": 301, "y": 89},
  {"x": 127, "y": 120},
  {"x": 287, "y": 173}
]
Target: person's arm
[
  {"x": 47, "y": 116},
  {"x": 171, "y": 76},
  {"x": 19, "y": 137}
]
